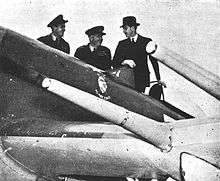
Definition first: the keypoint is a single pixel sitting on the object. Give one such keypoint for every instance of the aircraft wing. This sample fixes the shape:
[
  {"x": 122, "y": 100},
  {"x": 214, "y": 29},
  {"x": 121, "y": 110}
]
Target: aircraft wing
[
  {"x": 51, "y": 148},
  {"x": 24, "y": 53}
]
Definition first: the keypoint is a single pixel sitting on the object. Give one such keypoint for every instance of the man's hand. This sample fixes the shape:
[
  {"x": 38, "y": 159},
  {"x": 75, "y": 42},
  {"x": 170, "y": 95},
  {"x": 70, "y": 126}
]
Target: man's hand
[
  {"x": 151, "y": 47},
  {"x": 130, "y": 63}
]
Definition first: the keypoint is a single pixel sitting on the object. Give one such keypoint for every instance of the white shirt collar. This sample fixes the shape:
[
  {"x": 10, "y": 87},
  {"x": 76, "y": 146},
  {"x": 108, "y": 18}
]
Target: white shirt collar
[
  {"x": 135, "y": 37},
  {"x": 53, "y": 37},
  {"x": 91, "y": 48}
]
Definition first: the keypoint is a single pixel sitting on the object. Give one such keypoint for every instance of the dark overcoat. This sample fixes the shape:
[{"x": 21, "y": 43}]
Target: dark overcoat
[
  {"x": 59, "y": 44},
  {"x": 136, "y": 51},
  {"x": 100, "y": 58}
]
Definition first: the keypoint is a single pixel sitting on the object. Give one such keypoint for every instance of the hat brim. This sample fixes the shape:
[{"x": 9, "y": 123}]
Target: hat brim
[{"x": 137, "y": 24}]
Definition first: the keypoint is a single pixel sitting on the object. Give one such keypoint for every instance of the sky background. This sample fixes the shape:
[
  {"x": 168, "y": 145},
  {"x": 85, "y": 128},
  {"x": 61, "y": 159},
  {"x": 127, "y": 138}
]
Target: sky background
[{"x": 189, "y": 27}]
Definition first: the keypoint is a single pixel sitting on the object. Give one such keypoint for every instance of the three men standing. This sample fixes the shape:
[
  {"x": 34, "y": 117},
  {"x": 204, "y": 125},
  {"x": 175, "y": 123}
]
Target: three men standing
[
  {"x": 132, "y": 52},
  {"x": 94, "y": 53},
  {"x": 54, "y": 39}
]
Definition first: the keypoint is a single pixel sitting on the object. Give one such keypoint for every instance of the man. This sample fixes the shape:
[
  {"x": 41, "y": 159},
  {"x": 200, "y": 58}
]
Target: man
[
  {"x": 55, "y": 39},
  {"x": 132, "y": 52},
  {"x": 94, "y": 53}
]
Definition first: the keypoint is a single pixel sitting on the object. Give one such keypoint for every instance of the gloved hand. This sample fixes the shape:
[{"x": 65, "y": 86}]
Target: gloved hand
[
  {"x": 151, "y": 47},
  {"x": 130, "y": 63}
]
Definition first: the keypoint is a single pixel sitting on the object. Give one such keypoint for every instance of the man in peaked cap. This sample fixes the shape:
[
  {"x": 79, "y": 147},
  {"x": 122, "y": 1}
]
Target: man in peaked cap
[
  {"x": 94, "y": 53},
  {"x": 132, "y": 52},
  {"x": 54, "y": 39}
]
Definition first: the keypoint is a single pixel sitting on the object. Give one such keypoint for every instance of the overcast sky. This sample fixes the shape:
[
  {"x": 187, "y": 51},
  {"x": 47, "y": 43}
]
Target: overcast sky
[{"x": 191, "y": 28}]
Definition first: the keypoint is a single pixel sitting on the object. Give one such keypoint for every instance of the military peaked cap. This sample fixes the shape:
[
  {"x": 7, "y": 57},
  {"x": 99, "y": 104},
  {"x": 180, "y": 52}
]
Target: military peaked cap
[
  {"x": 56, "y": 21},
  {"x": 95, "y": 30}
]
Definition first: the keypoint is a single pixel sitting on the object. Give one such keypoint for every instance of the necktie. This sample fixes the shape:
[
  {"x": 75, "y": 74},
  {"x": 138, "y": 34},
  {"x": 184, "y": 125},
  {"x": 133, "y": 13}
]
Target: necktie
[
  {"x": 57, "y": 42},
  {"x": 132, "y": 40}
]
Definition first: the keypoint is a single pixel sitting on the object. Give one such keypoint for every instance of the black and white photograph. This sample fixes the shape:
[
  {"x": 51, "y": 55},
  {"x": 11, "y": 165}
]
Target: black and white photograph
[{"x": 110, "y": 90}]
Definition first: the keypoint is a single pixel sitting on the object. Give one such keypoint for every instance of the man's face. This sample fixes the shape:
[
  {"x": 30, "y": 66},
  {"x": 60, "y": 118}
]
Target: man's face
[
  {"x": 58, "y": 30},
  {"x": 129, "y": 31},
  {"x": 96, "y": 40}
]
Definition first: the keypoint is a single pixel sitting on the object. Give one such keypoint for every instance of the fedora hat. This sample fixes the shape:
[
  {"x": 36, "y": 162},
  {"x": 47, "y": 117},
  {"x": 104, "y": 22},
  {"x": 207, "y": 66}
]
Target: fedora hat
[
  {"x": 56, "y": 21},
  {"x": 95, "y": 30},
  {"x": 130, "y": 21}
]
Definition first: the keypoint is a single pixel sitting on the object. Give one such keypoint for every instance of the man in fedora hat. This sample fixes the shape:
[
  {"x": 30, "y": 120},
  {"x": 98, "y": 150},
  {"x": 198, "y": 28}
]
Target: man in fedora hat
[
  {"x": 54, "y": 39},
  {"x": 132, "y": 52},
  {"x": 94, "y": 53}
]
